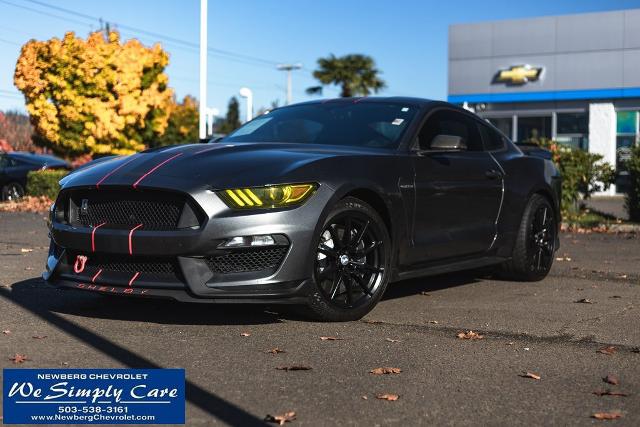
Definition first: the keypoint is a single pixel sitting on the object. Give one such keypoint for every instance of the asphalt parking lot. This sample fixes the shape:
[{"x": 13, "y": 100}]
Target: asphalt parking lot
[{"x": 232, "y": 378}]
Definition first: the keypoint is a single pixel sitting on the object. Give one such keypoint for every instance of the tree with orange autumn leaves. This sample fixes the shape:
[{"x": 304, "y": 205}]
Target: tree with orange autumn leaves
[{"x": 96, "y": 96}]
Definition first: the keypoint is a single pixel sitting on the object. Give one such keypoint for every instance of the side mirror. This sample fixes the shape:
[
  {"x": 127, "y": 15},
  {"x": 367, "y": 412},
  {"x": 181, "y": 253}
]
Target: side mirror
[{"x": 448, "y": 143}]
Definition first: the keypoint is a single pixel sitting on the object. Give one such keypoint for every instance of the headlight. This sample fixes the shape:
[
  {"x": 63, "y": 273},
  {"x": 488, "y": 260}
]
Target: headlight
[{"x": 273, "y": 196}]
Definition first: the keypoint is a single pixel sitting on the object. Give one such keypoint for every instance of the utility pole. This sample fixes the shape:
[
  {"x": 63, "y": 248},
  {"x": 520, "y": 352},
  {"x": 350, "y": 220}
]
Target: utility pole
[
  {"x": 288, "y": 68},
  {"x": 202, "y": 130}
]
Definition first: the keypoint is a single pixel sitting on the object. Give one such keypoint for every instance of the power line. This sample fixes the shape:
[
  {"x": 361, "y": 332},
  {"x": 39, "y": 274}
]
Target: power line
[
  {"x": 191, "y": 47},
  {"x": 157, "y": 35}
]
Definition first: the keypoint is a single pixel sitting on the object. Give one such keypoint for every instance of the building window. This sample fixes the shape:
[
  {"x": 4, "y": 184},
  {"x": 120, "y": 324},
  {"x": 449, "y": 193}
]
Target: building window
[
  {"x": 626, "y": 138},
  {"x": 504, "y": 124},
  {"x": 573, "y": 129},
  {"x": 533, "y": 128}
]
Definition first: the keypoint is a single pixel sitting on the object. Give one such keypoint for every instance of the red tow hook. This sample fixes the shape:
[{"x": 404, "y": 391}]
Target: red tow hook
[{"x": 78, "y": 266}]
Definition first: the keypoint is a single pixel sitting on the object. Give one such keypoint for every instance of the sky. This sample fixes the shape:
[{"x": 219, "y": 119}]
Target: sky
[{"x": 248, "y": 38}]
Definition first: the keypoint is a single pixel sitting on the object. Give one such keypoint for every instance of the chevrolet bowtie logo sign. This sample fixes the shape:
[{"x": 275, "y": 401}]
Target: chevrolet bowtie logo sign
[{"x": 518, "y": 75}]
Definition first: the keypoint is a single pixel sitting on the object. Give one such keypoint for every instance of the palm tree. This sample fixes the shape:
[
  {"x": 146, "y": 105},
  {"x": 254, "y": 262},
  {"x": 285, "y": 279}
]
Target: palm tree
[{"x": 356, "y": 75}]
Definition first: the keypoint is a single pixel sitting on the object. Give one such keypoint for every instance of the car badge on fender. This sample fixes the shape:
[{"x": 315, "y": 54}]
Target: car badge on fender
[{"x": 78, "y": 266}]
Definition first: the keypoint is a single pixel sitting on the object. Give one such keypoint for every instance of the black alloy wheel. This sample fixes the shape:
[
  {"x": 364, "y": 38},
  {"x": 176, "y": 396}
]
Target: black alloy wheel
[
  {"x": 541, "y": 240},
  {"x": 351, "y": 262},
  {"x": 535, "y": 245}
]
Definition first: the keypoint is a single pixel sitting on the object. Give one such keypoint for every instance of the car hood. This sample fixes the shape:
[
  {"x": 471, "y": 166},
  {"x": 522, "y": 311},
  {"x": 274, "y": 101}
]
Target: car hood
[{"x": 218, "y": 165}]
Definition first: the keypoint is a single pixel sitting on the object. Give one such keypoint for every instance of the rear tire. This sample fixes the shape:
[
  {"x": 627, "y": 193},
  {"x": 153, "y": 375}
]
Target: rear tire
[
  {"x": 351, "y": 259},
  {"x": 534, "y": 249}
]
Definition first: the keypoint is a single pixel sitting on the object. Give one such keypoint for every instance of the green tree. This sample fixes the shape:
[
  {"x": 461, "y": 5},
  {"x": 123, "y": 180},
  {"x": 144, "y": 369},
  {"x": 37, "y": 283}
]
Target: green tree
[
  {"x": 183, "y": 124},
  {"x": 583, "y": 173},
  {"x": 232, "y": 120},
  {"x": 355, "y": 74}
]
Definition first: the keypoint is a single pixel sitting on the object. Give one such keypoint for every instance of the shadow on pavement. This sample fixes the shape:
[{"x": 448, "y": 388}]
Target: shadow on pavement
[
  {"x": 94, "y": 305},
  {"x": 22, "y": 294},
  {"x": 427, "y": 284}
]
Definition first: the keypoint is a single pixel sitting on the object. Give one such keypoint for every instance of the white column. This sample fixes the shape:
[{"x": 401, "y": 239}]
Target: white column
[
  {"x": 602, "y": 135},
  {"x": 202, "y": 131}
]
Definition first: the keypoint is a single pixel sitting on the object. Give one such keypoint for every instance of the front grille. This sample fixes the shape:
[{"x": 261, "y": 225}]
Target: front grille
[
  {"x": 155, "y": 210},
  {"x": 155, "y": 215},
  {"x": 246, "y": 260},
  {"x": 112, "y": 263},
  {"x": 138, "y": 264}
]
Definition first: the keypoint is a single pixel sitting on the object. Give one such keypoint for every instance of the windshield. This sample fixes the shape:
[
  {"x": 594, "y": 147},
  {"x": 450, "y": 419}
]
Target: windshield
[{"x": 366, "y": 124}]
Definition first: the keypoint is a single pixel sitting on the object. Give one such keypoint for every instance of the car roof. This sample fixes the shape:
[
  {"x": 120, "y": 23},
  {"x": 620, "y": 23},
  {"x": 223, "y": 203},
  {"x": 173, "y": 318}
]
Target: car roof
[
  {"x": 408, "y": 100},
  {"x": 36, "y": 158}
]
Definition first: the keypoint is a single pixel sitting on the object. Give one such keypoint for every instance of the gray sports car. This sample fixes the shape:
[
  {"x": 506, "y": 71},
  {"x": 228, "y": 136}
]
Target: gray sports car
[{"x": 319, "y": 204}]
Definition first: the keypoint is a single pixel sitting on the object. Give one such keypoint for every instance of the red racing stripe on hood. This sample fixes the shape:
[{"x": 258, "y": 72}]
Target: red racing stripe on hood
[
  {"x": 114, "y": 171},
  {"x": 156, "y": 167}
]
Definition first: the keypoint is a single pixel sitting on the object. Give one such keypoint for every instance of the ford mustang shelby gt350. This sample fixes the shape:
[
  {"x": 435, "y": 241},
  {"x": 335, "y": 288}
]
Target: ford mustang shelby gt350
[{"x": 320, "y": 204}]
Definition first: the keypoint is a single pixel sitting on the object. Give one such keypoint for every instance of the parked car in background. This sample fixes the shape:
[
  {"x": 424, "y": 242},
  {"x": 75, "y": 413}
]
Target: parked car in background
[{"x": 15, "y": 166}]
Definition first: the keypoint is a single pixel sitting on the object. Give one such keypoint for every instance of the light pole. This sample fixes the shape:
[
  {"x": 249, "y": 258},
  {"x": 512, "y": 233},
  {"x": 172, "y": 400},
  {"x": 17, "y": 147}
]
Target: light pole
[
  {"x": 202, "y": 129},
  {"x": 245, "y": 92},
  {"x": 288, "y": 68}
]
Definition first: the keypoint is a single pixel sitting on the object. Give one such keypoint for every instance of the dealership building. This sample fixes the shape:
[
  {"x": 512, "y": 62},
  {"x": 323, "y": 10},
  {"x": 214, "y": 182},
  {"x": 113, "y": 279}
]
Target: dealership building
[{"x": 572, "y": 78}]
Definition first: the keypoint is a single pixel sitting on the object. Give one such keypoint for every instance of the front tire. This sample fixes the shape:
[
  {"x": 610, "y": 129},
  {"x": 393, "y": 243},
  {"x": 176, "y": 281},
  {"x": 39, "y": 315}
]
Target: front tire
[
  {"x": 351, "y": 262},
  {"x": 535, "y": 243}
]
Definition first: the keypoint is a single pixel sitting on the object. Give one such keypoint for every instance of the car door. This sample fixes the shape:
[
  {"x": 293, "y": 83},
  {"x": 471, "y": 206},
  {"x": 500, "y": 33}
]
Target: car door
[{"x": 458, "y": 189}]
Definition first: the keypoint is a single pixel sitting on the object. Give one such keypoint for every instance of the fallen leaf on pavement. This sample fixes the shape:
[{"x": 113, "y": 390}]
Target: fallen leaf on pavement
[
  {"x": 470, "y": 335},
  {"x": 435, "y": 322},
  {"x": 385, "y": 370},
  {"x": 610, "y": 393},
  {"x": 606, "y": 415},
  {"x": 287, "y": 417},
  {"x": 26, "y": 250},
  {"x": 330, "y": 338},
  {"x": 246, "y": 334},
  {"x": 6, "y": 332},
  {"x": 611, "y": 379},
  {"x": 275, "y": 351},
  {"x": 426, "y": 294},
  {"x": 388, "y": 396},
  {"x": 39, "y": 337},
  {"x": 584, "y": 301},
  {"x": 294, "y": 368},
  {"x": 530, "y": 375},
  {"x": 615, "y": 296},
  {"x": 609, "y": 350},
  {"x": 391, "y": 340},
  {"x": 19, "y": 358}
]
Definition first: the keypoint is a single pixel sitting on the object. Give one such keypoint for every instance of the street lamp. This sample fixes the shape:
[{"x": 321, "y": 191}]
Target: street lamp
[
  {"x": 245, "y": 92},
  {"x": 288, "y": 68}
]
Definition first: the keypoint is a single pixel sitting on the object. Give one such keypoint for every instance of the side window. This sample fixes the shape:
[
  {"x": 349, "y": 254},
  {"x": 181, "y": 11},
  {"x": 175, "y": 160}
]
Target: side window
[
  {"x": 450, "y": 123},
  {"x": 4, "y": 161},
  {"x": 491, "y": 139}
]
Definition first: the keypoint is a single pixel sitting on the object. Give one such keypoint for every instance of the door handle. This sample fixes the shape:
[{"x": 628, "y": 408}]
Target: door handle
[{"x": 493, "y": 174}]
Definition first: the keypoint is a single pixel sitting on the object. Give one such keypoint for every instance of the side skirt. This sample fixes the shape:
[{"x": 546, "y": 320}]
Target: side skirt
[{"x": 450, "y": 267}]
